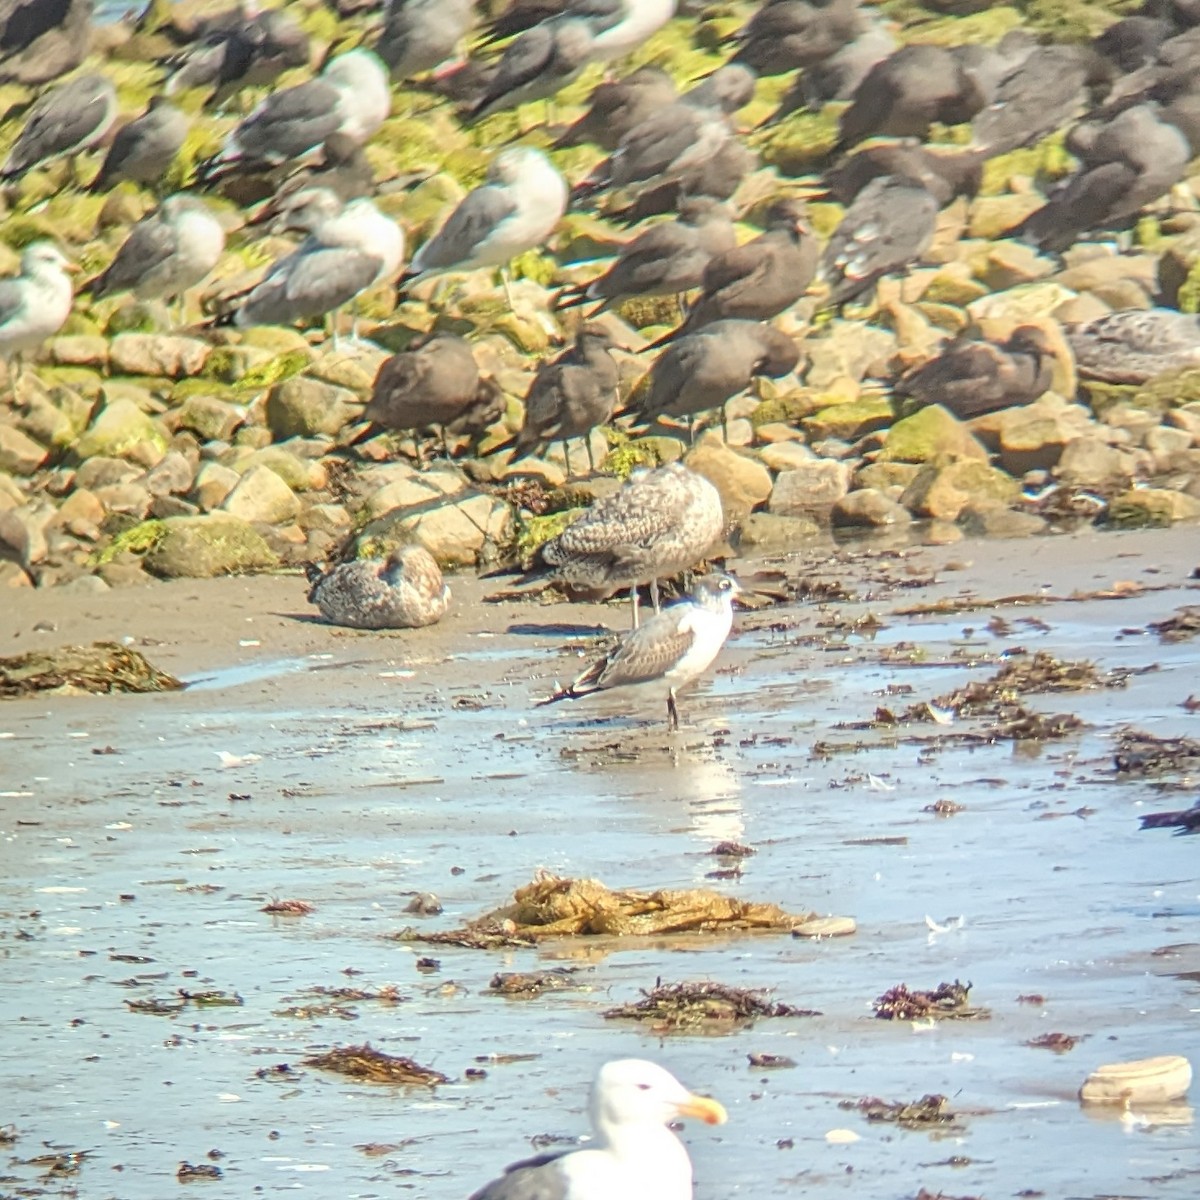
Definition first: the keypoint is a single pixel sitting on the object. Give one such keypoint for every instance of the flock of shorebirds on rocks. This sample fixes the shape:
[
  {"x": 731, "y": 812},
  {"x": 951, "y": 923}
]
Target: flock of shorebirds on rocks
[{"x": 674, "y": 160}]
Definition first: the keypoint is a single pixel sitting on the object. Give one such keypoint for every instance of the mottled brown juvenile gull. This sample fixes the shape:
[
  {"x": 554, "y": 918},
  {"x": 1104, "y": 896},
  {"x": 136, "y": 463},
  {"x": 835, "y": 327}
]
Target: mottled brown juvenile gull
[
  {"x": 419, "y": 35},
  {"x": 434, "y": 383},
  {"x": 570, "y": 396},
  {"x": 658, "y": 524},
  {"x": 888, "y": 227},
  {"x": 619, "y": 105},
  {"x": 145, "y": 147},
  {"x": 64, "y": 122},
  {"x": 632, "y": 1152},
  {"x": 35, "y": 304},
  {"x": 787, "y": 34},
  {"x": 403, "y": 591},
  {"x": 166, "y": 253},
  {"x": 351, "y": 97},
  {"x": 704, "y": 370},
  {"x": 1127, "y": 163},
  {"x": 538, "y": 64},
  {"x": 515, "y": 210},
  {"x": 760, "y": 279},
  {"x": 666, "y": 259},
  {"x": 666, "y": 652},
  {"x": 1132, "y": 345},
  {"x": 972, "y": 377},
  {"x": 350, "y": 249}
]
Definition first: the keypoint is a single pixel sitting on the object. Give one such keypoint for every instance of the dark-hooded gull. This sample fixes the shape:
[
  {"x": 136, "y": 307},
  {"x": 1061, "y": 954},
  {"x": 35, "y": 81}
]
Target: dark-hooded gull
[
  {"x": 760, "y": 279},
  {"x": 1127, "y": 163},
  {"x": 632, "y": 1152},
  {"x": 888, "y": 227},
  {"x": 404, "y": 591},
  {"x": 619, "y": 105},
  {"x": 250, "y": 46},
  {"x": 658, "y": 524},
  {"x": 666, "y": 259},
  {"x": 349, "y": 249},
  {"x": 786, "y": 34},
  {"x": 570, "y": 396},
  {"x": 538, "y": 64},
  {"x": 145, "y": 147},
  {"x": 515, "y": 210},
  {"x": 665, "y": 653},
  {"x": 419, "y": 35},
  {"x": 35, "y": 304},
  {"x": 1132, "y": 345},
  {"x": 971, "y": 377},
  {"x": 65, "y": 121},
  {"x": 351, "y": 97},
  {"x": 434, "y": 383},
  {"x": 166, "y": 253},
  {"x": 704, "y": 370}
]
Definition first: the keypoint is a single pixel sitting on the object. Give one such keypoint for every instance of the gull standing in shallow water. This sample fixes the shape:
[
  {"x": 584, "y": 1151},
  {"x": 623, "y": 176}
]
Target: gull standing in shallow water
[
  {"x": 35, "y": 304},
  {"x": 405, "y": 591},
  {"x": 633, "y": 1155},
  {"x": 659, "y": 524},
  {"x": 514, "y": 211},
  {"x": 671, "y": 649}
]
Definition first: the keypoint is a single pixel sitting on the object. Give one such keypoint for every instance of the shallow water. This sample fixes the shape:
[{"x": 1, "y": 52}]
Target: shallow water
[{"x": 134, "y": 864}]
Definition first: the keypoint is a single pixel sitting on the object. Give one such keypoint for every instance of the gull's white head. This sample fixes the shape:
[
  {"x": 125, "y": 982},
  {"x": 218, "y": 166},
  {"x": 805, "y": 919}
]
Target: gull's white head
[
  {"x": 633, "y": 1091},
  {"x": 40, "y": 257},
  {"x": 515, "y": 163}
]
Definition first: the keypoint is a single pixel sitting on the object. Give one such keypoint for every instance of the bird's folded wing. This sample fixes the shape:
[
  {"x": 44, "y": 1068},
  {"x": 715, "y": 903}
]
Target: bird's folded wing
[
  {"x": 328, "y": 278},
  {"x": 471, "y": 223},
  {"x": 540, "y": 1178},
  {"x": 146, "y": 249},
  {"x": 648, "y": 652}
]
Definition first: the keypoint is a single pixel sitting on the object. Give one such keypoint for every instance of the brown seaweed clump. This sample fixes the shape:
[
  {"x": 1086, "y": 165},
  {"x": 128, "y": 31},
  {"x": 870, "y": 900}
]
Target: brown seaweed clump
[
  {"x": 289, "y": 908},
  {"x": 1141, "y": 753},
  {"x": 534, "y": 983},
  {"x": 672, "y": 1007},
  {"x": 189, "y": 1171},
  {"x": 1060, "y": 1043},
  {"x": 100, "y": 669},
  {"x": 1181, "y": 626},
  {"x": 947, "y": 1000},
  {"x": 365, "y": 1062},
  {"x": 931, "y": 1109},
  {"x": 552, "y": 906}
]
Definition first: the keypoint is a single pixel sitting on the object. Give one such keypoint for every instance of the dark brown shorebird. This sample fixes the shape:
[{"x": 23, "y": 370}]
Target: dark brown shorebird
[
  {"x": 570, "y": 396},
  {"x": 704, "y": 370},
  {"x": 403, "y": 591},
  {"x": 617, "y": 106},
  {"x": 972, "y": 377},
  {"x": 434, "y": 384},
  {"x": 760, "y": 279},
  {"x": 666, "y": 259},
  {"x": 660, "y": 523},
  {"x": 667, "y": 652}
]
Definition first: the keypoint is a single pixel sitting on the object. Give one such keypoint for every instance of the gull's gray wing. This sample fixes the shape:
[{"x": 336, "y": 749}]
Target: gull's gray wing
[
  {"x": 291, "y": 122},
  {"x": 12, "y": 297},
  {"x": 147, "y": 248},
  {"x": 326, "y": 278},
  {"x": 539, "y": 1178},
  {"x": 469, "y": 226},
  {"x": 65, "y": 118},
  {"x": 644, "y": 654}
]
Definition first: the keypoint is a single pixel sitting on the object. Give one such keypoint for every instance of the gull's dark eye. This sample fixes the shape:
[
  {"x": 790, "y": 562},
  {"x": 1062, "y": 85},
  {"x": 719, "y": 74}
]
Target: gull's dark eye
[{"x": 643, "y": 1087}]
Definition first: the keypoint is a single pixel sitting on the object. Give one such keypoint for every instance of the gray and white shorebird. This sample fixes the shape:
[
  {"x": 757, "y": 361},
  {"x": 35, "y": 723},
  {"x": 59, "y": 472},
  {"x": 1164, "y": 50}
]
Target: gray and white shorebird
[
  {"x": 420, "y": 35},
  {"x": 666, "y": 259},
  {"x": 570, "y": 396},
  {"x": 632, "y": 1151},
  {"x": 145, "y": 147},
  {"x": 660, "y": 523},
  {"x": 515, "y": 210},
  {"x": 35, "y": 304},
  {"x": 352, "y": 97},
  {"x": 667, "y": 651},
  {"x": 404, "y": 591},
  {"x": 64, "y": 122},
  {"x": 166, "y": 253},
  {"x": 349, "y": 249}
]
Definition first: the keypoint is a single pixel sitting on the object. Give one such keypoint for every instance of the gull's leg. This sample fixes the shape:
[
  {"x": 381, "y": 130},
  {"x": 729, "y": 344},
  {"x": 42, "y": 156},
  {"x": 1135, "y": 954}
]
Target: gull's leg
[
  {"x": 446, "y": 445},
  {"x": 587, "y": 441},
  {"x": 654, "y": 595},
  {"x": 672, "y": 710},
  {"x": 634, "y": 602},
  {"x": 724, "y": 426},
  {"x": 566, "y": 457},
  {"x": 504, "y": 279}
]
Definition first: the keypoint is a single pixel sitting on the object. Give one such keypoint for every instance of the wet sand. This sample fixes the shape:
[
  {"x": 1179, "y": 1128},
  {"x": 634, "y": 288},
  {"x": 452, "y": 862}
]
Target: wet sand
[{"x": 134, "y": 864}]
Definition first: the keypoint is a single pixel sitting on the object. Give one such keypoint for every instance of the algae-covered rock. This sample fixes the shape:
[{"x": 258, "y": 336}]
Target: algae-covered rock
[
  {"x": 303, "y": 407},
  {"x": 157, "y": 354},
  {"x": 454, "y": 530},
  {"x": 121, "y": 430},
  {"x": 205, "y": 546},
  {"x": 210, "y": 419},
  {"x": 1151, "y": 508},
  {"x": 769, "y": 532},
  {"x": 868, "y": 509},
  {"x": 931, "y": 434},
  {"x": 1090, "y": 462},
  {"x": 809, "y": 488},
  {"x": 848, "y": 422},
  {"x": 995, "y": 520},
  {"x": 261, "y": 497},
  {"x": 943, "y": 491},
  {"x": 299, "y": 473}
]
